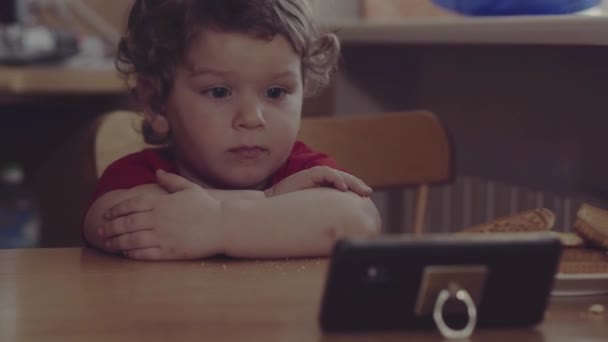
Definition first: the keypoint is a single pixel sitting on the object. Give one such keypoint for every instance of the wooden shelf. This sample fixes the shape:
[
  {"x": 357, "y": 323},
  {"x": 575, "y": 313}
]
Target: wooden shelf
[
  {"x": 58, "y": 80},
  {"x": 525, "y": 30}
]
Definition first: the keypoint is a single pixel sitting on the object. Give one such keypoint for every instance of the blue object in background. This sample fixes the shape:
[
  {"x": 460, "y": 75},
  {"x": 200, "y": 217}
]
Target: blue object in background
[
  {"x": 516, "y": 7},
  {"x": 19, "y": 220}
]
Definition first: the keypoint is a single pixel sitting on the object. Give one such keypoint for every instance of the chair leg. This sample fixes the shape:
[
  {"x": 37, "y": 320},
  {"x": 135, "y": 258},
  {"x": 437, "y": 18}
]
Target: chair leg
[{"x": 422, "y": 196}]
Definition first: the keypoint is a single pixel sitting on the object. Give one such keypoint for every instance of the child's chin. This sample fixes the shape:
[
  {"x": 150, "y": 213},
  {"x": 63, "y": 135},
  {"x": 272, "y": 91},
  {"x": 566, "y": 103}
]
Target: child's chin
[{"x": 245, "y": 181}]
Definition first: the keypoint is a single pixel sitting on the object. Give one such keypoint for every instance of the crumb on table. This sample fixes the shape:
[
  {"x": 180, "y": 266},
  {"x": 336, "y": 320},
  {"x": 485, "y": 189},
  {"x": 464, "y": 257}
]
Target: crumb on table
[{"x": 597, "y": 309}]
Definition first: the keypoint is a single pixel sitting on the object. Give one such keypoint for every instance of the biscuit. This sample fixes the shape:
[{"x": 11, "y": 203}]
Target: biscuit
[
  {"x": 580, "y": 260},
  {"x": 570, "y": 240},
  {"x": 532, "y": 220},
  {"x": 592, "y": 225}
]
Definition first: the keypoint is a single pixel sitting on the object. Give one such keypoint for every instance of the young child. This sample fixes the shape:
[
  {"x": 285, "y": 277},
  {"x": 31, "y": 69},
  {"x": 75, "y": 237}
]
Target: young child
[{"x": 222, "y": 83}]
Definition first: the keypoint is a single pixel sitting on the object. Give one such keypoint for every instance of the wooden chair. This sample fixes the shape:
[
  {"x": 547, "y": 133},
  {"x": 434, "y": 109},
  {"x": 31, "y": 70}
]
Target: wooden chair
[
  {"x": 387, "y": 150},
  {"x": 117, "y": 135}
]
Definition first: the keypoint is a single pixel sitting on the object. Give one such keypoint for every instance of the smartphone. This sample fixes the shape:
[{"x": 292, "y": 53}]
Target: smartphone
[{"x": 393, "y": 282}]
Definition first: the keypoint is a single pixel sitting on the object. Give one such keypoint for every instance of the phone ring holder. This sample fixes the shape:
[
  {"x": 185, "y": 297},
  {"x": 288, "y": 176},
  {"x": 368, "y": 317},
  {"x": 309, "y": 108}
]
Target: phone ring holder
[{"x": 455, "y": 292}]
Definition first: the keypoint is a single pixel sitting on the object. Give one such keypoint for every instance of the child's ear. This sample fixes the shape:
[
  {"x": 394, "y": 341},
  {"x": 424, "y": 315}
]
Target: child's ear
[
  {"x": 158, "y": 122},
  {"x": 153, "y": 112}
]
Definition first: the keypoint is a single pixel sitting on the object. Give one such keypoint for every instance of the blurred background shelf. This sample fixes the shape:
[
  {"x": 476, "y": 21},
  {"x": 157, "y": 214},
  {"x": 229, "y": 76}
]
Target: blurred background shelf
[
  {"x": 58, "y": 80},
  {"x": 526, "y": 30}
]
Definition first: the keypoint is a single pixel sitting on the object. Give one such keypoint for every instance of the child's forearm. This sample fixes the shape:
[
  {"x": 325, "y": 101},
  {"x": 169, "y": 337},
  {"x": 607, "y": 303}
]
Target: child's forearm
[
  {"x": 228, "y": 195},
  {"x": 301, "y": 223},
  {"x": 95, "y": 216}
]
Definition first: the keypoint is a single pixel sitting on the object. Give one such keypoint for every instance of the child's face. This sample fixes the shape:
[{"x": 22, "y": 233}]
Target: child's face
[{"x": 234, "y": 111}]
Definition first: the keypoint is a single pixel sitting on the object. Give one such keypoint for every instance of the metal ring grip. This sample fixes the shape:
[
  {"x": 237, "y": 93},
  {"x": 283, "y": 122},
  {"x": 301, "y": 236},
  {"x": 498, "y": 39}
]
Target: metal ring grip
[{"x": 460, "y": 294}]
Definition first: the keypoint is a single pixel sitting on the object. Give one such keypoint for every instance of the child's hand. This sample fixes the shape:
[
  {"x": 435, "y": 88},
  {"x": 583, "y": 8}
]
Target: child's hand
[
  {"x": 185, "y": 224},
  {"x": 320, "y": 176}
]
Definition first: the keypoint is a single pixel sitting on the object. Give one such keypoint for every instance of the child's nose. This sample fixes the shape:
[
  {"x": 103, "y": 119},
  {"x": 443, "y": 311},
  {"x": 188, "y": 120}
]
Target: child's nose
[{"x": 250, "y": 116}]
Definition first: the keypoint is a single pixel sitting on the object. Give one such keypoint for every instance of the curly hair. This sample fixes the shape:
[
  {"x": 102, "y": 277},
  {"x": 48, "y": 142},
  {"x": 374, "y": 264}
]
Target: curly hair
[{"x": 159, "y": 34}]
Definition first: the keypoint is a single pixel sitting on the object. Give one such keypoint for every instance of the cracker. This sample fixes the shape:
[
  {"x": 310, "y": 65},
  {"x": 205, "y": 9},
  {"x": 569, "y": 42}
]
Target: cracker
[
  {"x": 592, "y": 225},
  {"x": 582, "y": 260},
  {"x": 570, "y": 240},
  {"x": 532, "y": 220}
]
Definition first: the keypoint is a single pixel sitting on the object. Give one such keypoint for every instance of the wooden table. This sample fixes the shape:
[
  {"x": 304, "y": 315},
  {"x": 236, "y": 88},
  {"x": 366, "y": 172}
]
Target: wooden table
[{"x": 80, "y": 295}]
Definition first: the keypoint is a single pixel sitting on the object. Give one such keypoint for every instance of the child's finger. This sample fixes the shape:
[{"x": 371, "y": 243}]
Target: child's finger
[
  {"x": 333, "y": 177},
  {"x": 356, "y": 185},
  {"x": 130, "y": 241},
  {"x": 327, "y": 175},
  {"x": 127, "y": 224},
  {"x": 154, "y": 253},
  {"x": 171, "y": 182},
  {"x": 130, "y": 206}
]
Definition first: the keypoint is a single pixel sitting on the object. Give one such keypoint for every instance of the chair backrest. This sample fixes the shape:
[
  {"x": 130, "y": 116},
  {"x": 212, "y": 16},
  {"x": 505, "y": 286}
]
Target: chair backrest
[
  {"x": 117, "y": 134},
  {"x": 385, "y": 150}
]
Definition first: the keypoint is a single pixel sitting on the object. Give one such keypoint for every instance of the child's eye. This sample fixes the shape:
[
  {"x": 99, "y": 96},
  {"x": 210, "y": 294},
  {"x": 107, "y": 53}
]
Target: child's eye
[
  {"x": 218, "y": 92},
  {"x": 275, "y": 93}
]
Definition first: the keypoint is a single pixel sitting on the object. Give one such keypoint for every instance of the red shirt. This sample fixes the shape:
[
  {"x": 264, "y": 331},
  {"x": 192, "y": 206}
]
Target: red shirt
[{"x": 140, "y": 168}]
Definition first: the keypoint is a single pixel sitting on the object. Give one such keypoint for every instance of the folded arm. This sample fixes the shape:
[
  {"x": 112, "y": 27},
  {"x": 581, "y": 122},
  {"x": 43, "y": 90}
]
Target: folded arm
[
  {"x": 95, "y": 218},
  {"x": 177, "y": 219},
  {"x": 301, "y": 223}
]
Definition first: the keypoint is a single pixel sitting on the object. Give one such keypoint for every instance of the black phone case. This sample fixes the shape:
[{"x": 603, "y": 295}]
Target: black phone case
[{"x": 374, "y": 284}]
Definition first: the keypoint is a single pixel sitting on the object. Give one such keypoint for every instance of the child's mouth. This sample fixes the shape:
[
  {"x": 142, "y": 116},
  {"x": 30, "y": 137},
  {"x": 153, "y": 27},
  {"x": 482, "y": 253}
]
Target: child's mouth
[{"x": 248, "y": 152}]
